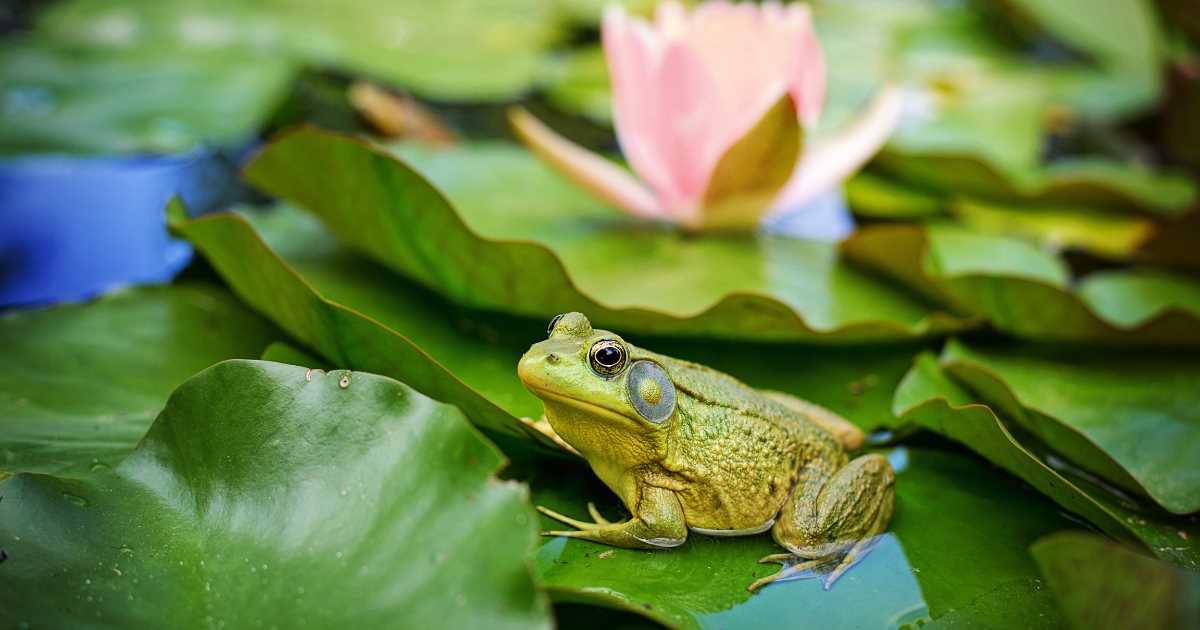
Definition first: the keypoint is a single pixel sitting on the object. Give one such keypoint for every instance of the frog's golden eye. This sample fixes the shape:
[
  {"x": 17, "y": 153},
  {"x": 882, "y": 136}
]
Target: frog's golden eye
[
  {"x": 607, "y": 357},
  {"x": 553, "y": 323}
]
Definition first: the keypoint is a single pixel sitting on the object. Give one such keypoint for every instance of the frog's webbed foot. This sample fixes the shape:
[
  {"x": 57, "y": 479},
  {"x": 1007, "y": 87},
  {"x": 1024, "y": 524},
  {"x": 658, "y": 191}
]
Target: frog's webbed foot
[
  {"x": 786, "y": 572},
  {"x": 543, "y": 426},
  {"x": 840, "y": 563}
]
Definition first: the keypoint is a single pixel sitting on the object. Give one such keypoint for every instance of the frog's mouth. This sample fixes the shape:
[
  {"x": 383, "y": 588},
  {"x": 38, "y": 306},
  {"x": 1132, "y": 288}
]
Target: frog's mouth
[{"x": 582, "y": 405}]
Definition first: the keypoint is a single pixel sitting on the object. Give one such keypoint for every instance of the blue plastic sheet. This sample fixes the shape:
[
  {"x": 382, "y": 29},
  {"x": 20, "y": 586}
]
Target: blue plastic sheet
[{"x": 72, "y": 227}]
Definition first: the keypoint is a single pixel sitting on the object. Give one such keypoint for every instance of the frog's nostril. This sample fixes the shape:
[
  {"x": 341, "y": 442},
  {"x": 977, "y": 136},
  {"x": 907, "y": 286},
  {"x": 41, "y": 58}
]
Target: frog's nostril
[{"x": 551, "y": 358}]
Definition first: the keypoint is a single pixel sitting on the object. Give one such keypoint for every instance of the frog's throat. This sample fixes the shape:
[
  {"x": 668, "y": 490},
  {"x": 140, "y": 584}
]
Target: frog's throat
[{"x": 590, "y": 408}]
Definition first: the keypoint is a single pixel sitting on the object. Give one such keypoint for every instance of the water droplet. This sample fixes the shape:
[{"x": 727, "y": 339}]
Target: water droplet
[
  {"x": 77, "y": 500},
  {"x": 117, "y": 570},
  {"x": 87, "y": 581},
  {"x": 460, "y": 599},
  {"x": 126, "y": 550},
  {"x": 208, "y": 587},
  {"x": 338, "y": 555},
  {"x": 344, "y": 382},
  {"x": 344, "y": 492}
]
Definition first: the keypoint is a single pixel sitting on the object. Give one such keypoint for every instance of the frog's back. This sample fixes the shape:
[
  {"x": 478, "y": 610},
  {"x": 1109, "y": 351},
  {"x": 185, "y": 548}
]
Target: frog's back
[{"x": 738, "y": 450}]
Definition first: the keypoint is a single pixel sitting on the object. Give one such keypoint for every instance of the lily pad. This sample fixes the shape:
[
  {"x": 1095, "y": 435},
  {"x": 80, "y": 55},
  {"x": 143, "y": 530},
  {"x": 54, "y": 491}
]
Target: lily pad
[
  {"x": 81, "y": 384},
  {"x": 446, "y": 50},
  {"x": 56, "y": 99},
  {"x": 880, "y": 197},
  {"x": 929, "y": 397},
  {"x": 1080, "y": 182},
  {"x": 1099, "y": 583},
  {"x": 520, "y": 239},
  {"x": 1110, "y": 234},
  {"x": 956, "y": 546},
  {"x": 1123, "y": 37},
  {"x": 276, "y": 495},
  {"x": 1133, "y": 419},
  {"x": 1027, "y": 292}
]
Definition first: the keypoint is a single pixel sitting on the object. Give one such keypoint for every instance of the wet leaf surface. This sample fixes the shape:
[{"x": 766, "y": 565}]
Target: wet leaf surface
[
  {"x": 272, "y": 494},
  {"x": 81, "y": 384}
]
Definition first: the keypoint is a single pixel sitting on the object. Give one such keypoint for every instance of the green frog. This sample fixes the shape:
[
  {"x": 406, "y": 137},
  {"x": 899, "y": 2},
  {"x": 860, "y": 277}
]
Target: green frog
[{"x": 688, "y": 448}]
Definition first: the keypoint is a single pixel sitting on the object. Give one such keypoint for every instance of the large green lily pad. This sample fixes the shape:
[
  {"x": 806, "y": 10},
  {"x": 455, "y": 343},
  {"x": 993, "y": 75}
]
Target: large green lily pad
[
  {"x": 956, "y": 547},
  {"x": 57, "y": 99},
  {"x": 275, "y": 495},
  {"x": 520, "y": 239},
  {"x": 1099, "y": 583},
  {"x": 80, "y": 384},
  {"x": 1026, "y": 291},
  {"x": 1133, "y": 419},
  {"x": 929, "y": 397},
  {"x": 447, "y": 49}
]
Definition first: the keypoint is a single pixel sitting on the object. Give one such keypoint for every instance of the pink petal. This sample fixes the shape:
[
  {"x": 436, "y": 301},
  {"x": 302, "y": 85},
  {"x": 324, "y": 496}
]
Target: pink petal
[
  {"x": 749, "y": 48},
  {"x": 690, "y": 133},
  {"x": 827, "y": 162},
  {"x": 599, "y": 176},
  {"x": 632, "y": 51}
]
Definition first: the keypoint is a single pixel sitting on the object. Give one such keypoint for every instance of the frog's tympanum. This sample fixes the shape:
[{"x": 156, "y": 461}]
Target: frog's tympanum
[{"x": 686, "y": 447}]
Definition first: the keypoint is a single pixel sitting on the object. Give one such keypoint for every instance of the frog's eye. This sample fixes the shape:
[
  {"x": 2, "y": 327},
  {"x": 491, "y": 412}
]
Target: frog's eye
[
  {"x": 607, "y": 357},
  {"x": 553, "y": 323},
  {"x": 651, "y": 391}
]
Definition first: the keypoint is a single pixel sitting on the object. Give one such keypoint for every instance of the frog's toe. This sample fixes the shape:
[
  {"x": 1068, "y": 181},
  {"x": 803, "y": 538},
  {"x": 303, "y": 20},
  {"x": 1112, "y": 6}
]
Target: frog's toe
[
  {"x": 784, "y": 573},
  {"x": 596, "y": 516},
  {"x": 566, "y": 519},
  {"x": 776, "y": 557}
]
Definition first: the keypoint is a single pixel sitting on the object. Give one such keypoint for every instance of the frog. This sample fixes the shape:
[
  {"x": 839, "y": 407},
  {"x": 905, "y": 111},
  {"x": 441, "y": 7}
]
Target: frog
[{"x": 690, "y": 449}]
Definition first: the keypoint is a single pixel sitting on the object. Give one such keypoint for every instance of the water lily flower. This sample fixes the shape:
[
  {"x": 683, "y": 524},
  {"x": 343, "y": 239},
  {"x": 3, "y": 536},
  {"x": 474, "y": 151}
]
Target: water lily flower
[{"x": 713, "y": 110}]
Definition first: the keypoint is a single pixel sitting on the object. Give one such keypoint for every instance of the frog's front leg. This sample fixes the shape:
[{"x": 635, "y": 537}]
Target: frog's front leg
[
  {"x": 835, "y": 515},
  {"x": 658, "y": 522}
]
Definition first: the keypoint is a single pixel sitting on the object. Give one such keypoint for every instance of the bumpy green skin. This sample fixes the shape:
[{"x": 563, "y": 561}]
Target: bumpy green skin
[{"x": 730, "y": 460}]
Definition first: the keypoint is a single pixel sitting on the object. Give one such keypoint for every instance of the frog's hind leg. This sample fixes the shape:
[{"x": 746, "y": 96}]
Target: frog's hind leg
[{"x": 836, "y": 518}]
